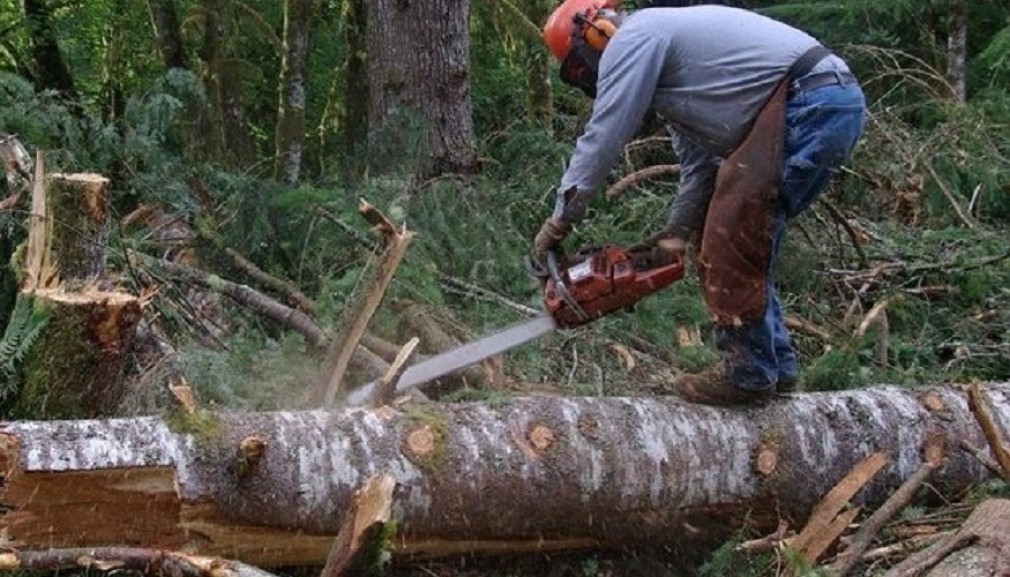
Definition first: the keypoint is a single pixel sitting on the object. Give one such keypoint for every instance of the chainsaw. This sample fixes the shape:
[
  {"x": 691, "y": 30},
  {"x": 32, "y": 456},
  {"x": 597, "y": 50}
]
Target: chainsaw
[{"x": 577, "y": 290}]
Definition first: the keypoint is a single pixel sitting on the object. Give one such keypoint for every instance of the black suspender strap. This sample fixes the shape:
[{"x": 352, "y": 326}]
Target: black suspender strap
[{"x": 807, "y": 61}]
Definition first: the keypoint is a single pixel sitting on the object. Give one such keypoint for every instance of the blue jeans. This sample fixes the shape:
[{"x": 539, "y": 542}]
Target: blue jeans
[{"x": 822, "y": 128}]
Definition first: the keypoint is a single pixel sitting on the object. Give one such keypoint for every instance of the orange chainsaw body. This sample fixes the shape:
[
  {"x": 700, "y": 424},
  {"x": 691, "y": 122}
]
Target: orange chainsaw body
[{"x": 596, "y": 282}]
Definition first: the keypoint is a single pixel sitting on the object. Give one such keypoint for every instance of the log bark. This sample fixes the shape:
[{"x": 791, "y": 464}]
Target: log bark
[{"x": 531, "y": 474}]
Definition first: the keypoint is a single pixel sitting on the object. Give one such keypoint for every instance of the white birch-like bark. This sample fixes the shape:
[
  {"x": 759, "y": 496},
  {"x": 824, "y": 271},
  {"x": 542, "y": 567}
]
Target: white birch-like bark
[{"x": 533, "y": 473}]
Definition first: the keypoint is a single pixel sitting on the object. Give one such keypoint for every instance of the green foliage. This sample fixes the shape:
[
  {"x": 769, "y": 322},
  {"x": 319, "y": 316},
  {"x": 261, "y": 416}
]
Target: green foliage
[
  {"x": 23, "y": 328},
  {"x": 255, "y": 372},
  {"x": 726, "y": 560}
]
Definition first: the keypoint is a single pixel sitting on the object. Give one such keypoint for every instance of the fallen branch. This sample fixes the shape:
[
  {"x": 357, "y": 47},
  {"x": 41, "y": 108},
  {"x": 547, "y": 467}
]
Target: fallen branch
[
  {"x": 241, "y": 294},
  {"x": 903, "y": 548},
  {"x": 769, "y": 542},
  {"x": 982, "y": 458},
  {"x": 807, "y": 327},
  {"x": 292, "y": 292},
  {"x": 262, "y": 304},
  {"x": 847, "y": 226},
  {"x": 828, "y": 521},
  {"x": 355, "y": 322},
  {"x": 145, "y": 561},
  {"x": 980, "y": 408},
  {"x": 987, "y": 525},
  {"x": 949, "y": 195},
  {"x": 641, "y": 175},
  {"x": 860, "y": 542}
]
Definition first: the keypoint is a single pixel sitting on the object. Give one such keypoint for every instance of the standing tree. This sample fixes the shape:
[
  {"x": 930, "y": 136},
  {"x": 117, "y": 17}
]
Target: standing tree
[
  {"x": 229, "y": 137},
  {"x": 419, "y": 87},
  {"x": 165, "y": 19},
  {"x": 290, "y": 131},
  {"x": 957, "y": 48},
  {"x": 49, "y": 67}
]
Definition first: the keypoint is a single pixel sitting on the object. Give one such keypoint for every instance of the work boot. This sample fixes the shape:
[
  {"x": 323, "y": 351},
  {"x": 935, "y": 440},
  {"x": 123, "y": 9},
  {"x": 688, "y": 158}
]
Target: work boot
[
  {"x": 714, "y": 387},
  {"x": 788, "y": 384}
]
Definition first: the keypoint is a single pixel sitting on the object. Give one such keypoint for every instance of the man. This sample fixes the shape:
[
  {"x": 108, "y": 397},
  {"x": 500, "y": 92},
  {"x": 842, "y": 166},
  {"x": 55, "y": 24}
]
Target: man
[{"x": 762, "y": 116}]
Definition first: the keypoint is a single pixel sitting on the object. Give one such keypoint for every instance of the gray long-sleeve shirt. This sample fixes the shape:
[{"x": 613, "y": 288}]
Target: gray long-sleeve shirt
[{"x": 706, "y": 70}]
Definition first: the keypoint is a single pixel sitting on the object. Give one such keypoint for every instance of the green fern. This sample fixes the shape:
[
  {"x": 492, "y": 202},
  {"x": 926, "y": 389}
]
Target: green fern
[{"x": 23, "y": 330}]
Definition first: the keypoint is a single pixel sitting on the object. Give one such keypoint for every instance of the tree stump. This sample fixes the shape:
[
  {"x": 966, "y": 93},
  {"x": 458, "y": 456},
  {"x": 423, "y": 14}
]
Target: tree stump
[
  {"x": 75, "y": 368},
  {"x": 78, "y": 205}
]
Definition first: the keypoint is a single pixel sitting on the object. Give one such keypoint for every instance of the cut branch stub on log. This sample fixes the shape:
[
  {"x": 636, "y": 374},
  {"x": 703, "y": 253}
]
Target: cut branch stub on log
[{"x": 532, "y": 474}]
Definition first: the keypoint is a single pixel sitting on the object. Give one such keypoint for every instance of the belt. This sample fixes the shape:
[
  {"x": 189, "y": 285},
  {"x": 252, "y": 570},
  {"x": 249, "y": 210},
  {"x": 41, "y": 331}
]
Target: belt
[{"x": 820, "y": 80}]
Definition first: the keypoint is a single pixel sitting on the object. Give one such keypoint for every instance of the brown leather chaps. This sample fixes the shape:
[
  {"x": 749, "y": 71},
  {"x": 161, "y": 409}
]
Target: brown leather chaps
[{"x": 736, "y": 243}]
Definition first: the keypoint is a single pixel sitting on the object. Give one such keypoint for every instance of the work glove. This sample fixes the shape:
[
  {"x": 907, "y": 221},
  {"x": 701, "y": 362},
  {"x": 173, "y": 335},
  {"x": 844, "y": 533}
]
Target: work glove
[
  {"x": 666, "y": 246},
  {"x": 550, "y": 236},
  {"x": 670, "y": 249}
]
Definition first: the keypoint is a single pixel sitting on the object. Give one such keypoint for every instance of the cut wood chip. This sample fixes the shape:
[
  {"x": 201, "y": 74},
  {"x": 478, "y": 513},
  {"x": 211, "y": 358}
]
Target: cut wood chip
[
  {"x": 363, "y": 525},
  {"x": 861, "y": 541},
  {"x": 629, "y": 359},
  {"x": 823, "y": 523}
]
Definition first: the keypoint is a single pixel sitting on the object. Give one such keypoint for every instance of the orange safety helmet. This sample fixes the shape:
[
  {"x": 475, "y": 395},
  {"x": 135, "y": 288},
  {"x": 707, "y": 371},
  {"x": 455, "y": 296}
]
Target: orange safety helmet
[{"x": 578, "y": 17}]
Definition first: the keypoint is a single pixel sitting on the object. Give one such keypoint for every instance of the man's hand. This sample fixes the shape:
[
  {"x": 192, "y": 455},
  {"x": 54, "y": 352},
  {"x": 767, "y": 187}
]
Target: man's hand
[{"x": 550, "y": 236}]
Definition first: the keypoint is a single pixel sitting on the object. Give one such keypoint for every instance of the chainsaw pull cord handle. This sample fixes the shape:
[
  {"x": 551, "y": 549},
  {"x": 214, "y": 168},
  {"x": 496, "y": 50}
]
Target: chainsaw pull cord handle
[{"x": 559, "y": 285}]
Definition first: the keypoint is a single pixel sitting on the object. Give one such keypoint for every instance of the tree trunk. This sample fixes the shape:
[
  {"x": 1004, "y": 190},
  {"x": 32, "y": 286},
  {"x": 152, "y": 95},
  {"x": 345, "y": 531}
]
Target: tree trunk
[
  {"x": 354, "y": 122},
  {"x": 165, "y": 20},
  {"x": 230, "y": 137},
  {"x": 419, "y": 87},
  {"x": 72, "y": 366},
  {"x": 290, "y": 132},
  {"x": 50, "y": 68},
  {"x": 957, "y": 48},
  {"x": 532, "y": 474}
]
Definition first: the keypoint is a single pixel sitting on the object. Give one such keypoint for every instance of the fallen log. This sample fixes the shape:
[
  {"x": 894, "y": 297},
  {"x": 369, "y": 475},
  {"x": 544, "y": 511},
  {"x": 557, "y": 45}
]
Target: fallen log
[
  {"x": 146, "y": 562},
  {"x": 531, "y": 474}
]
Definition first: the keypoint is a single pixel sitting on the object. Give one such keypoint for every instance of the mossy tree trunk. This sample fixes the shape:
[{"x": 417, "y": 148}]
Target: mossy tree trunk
[{"x": 536, "y": 474}]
